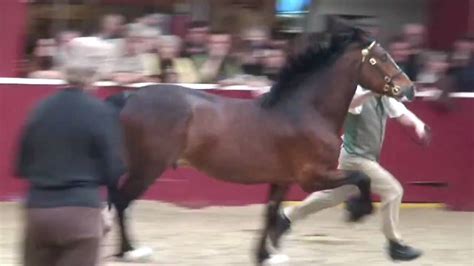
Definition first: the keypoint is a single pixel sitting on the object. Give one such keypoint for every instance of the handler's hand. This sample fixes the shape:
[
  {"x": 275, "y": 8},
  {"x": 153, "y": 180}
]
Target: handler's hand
[{"x": 424, "y": 135}]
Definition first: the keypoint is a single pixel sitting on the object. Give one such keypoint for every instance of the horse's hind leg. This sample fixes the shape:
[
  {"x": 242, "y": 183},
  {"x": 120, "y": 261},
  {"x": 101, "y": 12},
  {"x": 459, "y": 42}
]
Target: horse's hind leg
[
  {"x": 132, "y": 189},
  {"x": 276, "y": 196},
  {"x": 149, "y": 152}
]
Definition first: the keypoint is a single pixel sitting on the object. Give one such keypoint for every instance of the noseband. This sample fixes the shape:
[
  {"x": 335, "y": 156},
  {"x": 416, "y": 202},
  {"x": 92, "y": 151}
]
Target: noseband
[{"x": 389, "y": 85}]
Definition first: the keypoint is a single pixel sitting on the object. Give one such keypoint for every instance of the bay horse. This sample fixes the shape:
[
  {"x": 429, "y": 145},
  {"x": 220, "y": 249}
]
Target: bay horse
[{"x": 288, "y": 136}]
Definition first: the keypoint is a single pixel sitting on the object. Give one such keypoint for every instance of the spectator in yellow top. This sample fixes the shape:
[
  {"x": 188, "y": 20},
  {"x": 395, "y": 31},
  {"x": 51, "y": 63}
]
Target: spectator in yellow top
[
  {"x": 169, "y": 66},
  {"x": 217, "y": 63}
]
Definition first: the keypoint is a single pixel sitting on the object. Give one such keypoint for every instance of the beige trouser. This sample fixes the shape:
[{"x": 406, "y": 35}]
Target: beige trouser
[{"x": 382, "y": 183}]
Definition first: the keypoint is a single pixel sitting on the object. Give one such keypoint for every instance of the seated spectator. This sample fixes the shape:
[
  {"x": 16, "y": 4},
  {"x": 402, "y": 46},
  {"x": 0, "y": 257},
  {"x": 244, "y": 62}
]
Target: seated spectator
[
  {"x": 112, "y": 28},
  {"x": 170, "y": 67},
  {"x": 128, "y": 66},
  {"x": 434, "y": 68},
  {"x": 462, "y": 64},
  {"x": 460, "y": 75},
  {"x": 217, "y": 63},
  {"x": 399, "y": 50},
  {"x": 43, "y": 60},
  {"x": 62, "y": 41},
  {"x": 255, "y": 40},
  {"x": 100, "y": 51},
  {"x": 149, "y": 51},
  {"x": 154, "y": 21},
  {"x": 273, "y": 61},
  {"x": 462, "y": 52},
  {"x": 415, "y": 35},
  {"x": 196, "y": 39}
]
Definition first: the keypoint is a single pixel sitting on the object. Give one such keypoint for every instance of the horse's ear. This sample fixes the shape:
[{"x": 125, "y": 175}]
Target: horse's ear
[
  {"x": 340, "y": 31},
  {"x": 343, "y": 27},
  {"x": 364, "y": 36},
  {"x": 338, "y": 25}
]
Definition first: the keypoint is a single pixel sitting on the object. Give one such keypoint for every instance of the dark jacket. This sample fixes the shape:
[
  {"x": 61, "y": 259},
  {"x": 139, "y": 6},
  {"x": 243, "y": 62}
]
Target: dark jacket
[
  {"x": 70, "y": 146},
  {"x": 117, "y": 101}
]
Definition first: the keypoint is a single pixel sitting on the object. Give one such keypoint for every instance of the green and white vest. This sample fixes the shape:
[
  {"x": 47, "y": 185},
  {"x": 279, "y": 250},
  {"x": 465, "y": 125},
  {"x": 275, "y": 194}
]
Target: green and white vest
[{"x": 364, "y": 133}]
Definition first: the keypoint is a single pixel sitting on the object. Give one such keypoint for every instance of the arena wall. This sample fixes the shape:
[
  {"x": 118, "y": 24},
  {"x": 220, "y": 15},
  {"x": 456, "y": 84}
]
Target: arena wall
[{"x": 443, "y": 172}]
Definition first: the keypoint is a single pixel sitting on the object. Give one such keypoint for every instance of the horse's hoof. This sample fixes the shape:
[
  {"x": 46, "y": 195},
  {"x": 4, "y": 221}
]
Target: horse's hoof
[
  {"x": 276, "y": 259},
  {"x": 358, "y": 209},
  {"x": 142, "y": 254}
]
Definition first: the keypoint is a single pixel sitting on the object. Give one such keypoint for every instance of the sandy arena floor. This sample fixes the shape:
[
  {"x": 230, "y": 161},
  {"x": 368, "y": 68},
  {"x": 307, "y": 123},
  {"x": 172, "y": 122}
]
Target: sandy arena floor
[{"x": 227, "y": 235}]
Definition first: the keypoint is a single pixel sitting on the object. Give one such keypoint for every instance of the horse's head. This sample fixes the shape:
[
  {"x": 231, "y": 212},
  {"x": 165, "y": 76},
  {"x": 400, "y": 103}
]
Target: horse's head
[
  {"x": 379, "y": 73},
  {"x": 347, "y": 53}
]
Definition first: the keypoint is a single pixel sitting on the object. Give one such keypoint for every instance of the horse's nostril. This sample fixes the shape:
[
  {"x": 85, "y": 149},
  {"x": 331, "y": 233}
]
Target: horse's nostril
[{"x": 410, "y": 92}]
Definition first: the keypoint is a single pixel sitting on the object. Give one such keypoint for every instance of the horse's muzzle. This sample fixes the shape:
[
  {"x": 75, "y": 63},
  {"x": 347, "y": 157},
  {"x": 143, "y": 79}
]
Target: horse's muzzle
[{"x": 408, "y": 93}]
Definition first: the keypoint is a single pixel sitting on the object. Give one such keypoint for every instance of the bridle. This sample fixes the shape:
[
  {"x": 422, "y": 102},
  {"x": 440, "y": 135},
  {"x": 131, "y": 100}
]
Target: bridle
[{"x": 389, "y": 85}]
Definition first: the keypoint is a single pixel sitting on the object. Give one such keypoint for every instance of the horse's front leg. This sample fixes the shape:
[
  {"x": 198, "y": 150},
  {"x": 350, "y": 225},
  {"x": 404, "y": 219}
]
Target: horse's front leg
[
  {"x": 317, "y": 201},
  {"x": 127, "y": 251},
  {"x": 132, "y": 188},
  {"x": 125, "y": 245},
  {"x": 120, "y": 204},
  {"x": 360, "y": 206},
  {"x": 276, "y": 196}
]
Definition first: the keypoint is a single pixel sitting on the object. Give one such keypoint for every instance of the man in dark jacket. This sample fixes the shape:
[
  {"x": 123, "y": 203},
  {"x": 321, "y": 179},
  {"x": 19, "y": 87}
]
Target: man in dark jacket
[
  {"x": 70, "y": 147},
  {"x": 118, "y": 101}
]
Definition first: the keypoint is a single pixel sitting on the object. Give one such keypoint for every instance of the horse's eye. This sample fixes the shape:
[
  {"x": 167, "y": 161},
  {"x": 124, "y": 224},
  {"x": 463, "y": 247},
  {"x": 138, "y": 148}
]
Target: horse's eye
[{"x": 384, "y": 58}]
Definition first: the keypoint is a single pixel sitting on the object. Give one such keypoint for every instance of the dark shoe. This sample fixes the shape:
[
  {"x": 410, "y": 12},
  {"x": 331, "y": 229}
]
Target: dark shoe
[
  {"x": 402, "y": 252},
  {"x": 358, "y": 208},
  {"x": 282, "y": 225}
]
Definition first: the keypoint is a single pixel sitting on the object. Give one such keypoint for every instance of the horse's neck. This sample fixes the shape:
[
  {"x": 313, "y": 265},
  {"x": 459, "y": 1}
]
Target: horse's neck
[{"x": 333, "y": 102}]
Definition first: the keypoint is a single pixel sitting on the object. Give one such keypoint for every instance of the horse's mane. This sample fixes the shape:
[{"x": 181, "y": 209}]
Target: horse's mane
[{"x": 317, "y": 56}]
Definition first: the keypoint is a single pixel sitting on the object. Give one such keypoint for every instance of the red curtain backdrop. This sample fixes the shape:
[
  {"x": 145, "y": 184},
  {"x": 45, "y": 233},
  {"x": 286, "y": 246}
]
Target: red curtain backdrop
[
  {"x": 12, "y": 28},
  {"x": 449, "y": 20},
  {"x": 471, "y": 17}
]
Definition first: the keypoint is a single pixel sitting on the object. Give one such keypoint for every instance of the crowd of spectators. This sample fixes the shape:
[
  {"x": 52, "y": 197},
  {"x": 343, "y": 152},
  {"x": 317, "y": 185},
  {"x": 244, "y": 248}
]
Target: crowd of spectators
[
  {"x": 141, "y": 51},
  {"x": 427, "y": 67}
]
